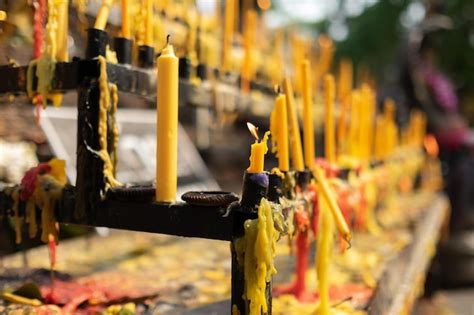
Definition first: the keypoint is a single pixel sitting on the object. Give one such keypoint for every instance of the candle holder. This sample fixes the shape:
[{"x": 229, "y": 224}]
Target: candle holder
[
  {"x": 275, "y": 184},
  {"x": 123, "y": 48},
  {"x": 343, "y": 173},
  {"x": 96, "y": 43},
  {"x": 184, "y": 68},
  {"x": 302, "y": 179},
  {"x": 255, "y": 187},
  {"x": 146, "y": 56},
  {"x": 201, "y": 71}
]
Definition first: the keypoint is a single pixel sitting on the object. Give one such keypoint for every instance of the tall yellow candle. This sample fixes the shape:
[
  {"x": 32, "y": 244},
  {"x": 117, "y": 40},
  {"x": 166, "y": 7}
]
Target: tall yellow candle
[
  {"x": 329, "y": 131},
  {"x": 329, "y": 197},
  {"x": 149, "y": 23},
  {"x": 103, "y": 15},
  {"x": 257, "y": 151},
  {"x": 167, "y": 125},
  {"x": 354, "y": 125},
  {"x": 324, "y": 243},
  {"x": 279, "y": 130},
  {"x": 249, "y": 39},
  {"x": 228, "y": 34},
  {"x": 308, "y": 123},
  {"x": 345, "y": 88},
  {"x": 63, "y": 30},
  {"x": 295, "y": 140},
  {"x": 126, "y": 18}
]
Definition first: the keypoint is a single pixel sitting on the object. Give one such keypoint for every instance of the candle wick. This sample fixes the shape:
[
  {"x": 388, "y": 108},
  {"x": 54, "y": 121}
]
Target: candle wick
[
  {"x": 277, "y": 89},
  {"x": 168, "y": 39}
]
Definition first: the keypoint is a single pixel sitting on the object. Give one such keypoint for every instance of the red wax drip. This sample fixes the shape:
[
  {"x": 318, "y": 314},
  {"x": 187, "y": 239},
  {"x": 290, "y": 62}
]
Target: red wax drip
[
  {"x": 39, "y": 16},
  {"x": 38, "y": 27}
]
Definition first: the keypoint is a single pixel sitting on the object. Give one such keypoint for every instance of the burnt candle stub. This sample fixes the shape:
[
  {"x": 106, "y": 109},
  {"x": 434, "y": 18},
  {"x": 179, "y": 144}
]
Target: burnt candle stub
[{"x": 255, "y": 188}]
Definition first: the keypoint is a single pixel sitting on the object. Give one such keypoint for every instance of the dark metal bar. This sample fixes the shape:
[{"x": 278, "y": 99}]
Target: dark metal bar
[
  {"x": 69, "y": 75},
  {"x": 90, "y": 184}
]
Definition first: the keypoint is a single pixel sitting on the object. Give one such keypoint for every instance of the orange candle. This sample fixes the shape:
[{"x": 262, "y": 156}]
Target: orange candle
[{"x": 103, "y": 15}]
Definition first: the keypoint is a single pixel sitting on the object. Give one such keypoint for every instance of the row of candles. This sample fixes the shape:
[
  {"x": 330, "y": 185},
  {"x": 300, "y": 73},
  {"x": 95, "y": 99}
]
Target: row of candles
[{"x": 284, "y": 122}]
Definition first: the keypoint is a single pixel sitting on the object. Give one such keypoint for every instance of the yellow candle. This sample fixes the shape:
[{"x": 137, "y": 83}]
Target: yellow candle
[
  {"x": 329, "y": 131},
  {"x": 167, "y": 125},
  {"x": 307, "y": 115},
  {"x": 249, "y": 39},
  {"x": 62, "y": 34},
  {"x": 103, "y": 15},
  {"x": 329, "y": 197},
  {"x": 149, "y": 24},
  {"x": 279, "y": 130},
  {"x": 354, "y": 125},
  {"x": 345, "y": 88},
  {"x": 379, "y": 138},
  {"x": 228, "y": 34},
  {"x": 323, "y": 256},
  {"x": 125, "y": 19},
  {"x": 257, "y": 151},
  {"x": 296, "y": 149}
]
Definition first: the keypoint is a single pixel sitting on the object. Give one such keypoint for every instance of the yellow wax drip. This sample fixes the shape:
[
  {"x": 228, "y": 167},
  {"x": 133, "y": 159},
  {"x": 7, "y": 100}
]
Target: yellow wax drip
[
  {"x": 257, "y": 251},
  {"x": 104, "y": 104},
  {"x": 46, "y": 64}
]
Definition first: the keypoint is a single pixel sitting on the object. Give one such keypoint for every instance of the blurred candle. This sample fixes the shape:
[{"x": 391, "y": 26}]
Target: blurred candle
[
  {"x": 149, "y": 23},
  {"x": 167, "y": 125},
  {"x": 295, "y": 139},
  {"x": 329, "y": 132},
  {"x": 308, "y": 122},
  {"x": 279, "y": 131},
  {"x": 249, "y": 39},
  {"x": 228, "y": 34},
  {"x": 125, "y": 18},
  {"x": 103, "y": 15},
  {"x": 257, "y": 151},
  {"x": 63, "y": 30}
]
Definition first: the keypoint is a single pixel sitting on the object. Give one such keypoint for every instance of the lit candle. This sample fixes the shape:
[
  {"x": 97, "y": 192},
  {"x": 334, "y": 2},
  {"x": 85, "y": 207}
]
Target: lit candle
[
  {"x": 228, "y": 34},
  {"x": 125, "y": 19},
  {"x": 167, "y": 125},
  {"x": 149, "y": 24},
  {"x": 296, "y": 149},
  {"x": 307, "y": 115},
  {"x": 279, "y": 130},
  {"x": 257, "y": 151},
  {"x": 329, "y": 132},
  {"x": 103, "y": 15},
  {"x": 62, "y": 34}
]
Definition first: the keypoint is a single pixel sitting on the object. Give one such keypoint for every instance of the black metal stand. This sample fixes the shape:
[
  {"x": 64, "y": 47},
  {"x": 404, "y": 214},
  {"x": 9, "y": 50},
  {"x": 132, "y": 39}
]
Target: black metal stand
[{"x": 88, "y": 203}]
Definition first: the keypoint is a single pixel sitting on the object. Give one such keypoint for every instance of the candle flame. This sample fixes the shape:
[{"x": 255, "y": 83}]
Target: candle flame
[{"x": 253, "y": 130}]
